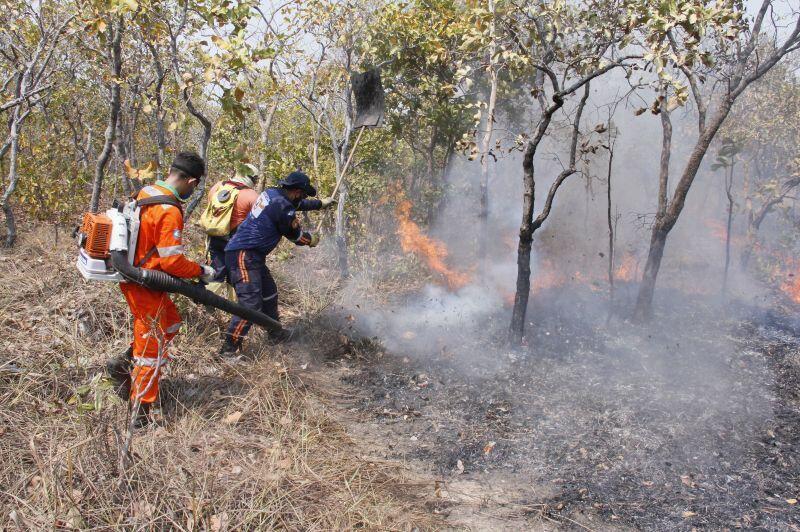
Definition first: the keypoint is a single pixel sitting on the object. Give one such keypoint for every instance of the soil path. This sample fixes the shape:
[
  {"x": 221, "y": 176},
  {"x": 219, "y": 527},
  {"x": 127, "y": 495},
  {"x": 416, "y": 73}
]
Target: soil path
[{"x": 595, "y": 428}]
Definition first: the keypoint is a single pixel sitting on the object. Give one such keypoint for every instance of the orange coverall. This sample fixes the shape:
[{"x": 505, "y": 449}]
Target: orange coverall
[{"x": 155, "y": 318}]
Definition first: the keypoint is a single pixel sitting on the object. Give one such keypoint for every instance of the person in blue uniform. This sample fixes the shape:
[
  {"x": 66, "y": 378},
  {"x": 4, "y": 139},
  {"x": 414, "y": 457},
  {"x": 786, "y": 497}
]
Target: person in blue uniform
[{"x": 273, "y": 216}]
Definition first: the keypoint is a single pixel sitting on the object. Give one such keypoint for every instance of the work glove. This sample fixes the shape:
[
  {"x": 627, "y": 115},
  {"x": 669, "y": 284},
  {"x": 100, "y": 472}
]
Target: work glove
[
  {"x": 328, "y": 202},
  {"x": 208, "y": 274},
  {"x": 314, "y": 240}
]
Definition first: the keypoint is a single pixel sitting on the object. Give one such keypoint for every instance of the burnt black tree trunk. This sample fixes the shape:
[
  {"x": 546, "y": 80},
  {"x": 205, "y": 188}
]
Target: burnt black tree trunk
[{"x": 529, "y": 225}]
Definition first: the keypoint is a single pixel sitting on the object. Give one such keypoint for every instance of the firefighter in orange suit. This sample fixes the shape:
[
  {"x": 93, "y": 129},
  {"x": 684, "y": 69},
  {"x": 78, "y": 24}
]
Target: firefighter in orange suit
[{"x": 155, "y": 319}]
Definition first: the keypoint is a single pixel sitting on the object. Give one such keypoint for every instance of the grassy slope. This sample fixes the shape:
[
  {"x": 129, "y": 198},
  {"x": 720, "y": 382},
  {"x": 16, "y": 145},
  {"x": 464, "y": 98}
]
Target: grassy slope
[{"x": 238, "y": 447}]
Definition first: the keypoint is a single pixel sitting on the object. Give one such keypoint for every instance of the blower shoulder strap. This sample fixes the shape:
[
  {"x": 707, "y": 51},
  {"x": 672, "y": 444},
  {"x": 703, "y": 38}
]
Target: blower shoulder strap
[{"x": 163, "y": 199}]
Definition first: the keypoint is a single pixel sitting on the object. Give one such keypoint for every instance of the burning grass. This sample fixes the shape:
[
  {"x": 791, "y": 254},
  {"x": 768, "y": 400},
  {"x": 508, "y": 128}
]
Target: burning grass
[
  {"x": 238, "y": 447},
  {"x": 432, "y": 251}
]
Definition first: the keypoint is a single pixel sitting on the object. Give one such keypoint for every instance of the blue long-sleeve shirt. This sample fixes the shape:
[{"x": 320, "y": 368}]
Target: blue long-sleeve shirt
[{"x": 273, "y": 216}]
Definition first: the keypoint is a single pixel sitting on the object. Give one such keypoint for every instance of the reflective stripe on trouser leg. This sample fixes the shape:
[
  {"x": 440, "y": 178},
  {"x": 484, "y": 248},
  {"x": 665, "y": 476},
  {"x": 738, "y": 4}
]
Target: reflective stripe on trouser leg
[
  {"x": 155, "y": 321},
  {"x": 246, "y": 274}
]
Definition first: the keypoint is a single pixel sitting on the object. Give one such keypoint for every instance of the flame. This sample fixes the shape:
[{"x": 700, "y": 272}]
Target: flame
[
  {"x": 628, "y": 270},
  {"x": 433, "y": 251},
  {"x": 789, "y": 269}
]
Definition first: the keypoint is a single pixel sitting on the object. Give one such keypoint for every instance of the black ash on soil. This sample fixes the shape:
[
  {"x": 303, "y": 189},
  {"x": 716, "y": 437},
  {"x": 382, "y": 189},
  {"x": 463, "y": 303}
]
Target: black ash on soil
[{"x": 691, "y": 422}]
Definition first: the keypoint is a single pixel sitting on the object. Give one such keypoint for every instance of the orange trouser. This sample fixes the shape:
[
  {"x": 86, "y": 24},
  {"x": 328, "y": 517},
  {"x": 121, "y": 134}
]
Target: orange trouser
[{"x": 155, "y": 323}]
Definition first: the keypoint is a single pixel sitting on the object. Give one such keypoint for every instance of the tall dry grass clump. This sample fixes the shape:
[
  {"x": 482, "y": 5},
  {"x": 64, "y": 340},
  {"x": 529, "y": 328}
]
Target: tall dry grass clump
[{"x": 237, "y": 447}]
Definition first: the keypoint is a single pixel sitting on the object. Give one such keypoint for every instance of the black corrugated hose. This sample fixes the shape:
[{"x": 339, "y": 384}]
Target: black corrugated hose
[{"x": 163, "y": 282}]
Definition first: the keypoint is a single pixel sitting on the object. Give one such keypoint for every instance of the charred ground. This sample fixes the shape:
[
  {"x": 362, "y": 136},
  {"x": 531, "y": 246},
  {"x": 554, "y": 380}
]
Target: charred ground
[{"x": 692, "y": 421}]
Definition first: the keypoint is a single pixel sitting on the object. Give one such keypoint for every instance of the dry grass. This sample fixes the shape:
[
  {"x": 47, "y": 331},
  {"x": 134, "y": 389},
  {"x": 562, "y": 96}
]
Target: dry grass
[{"x": 237, "y": 447}]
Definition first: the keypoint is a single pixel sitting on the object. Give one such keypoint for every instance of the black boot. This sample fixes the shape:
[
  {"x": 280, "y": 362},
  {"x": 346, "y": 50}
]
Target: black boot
[
  {"x": 141, "y": 417},
  {"x": 119, "y": 371},
  {"x": 228, "y": 351},
  {"x": 280, "y": 336}
]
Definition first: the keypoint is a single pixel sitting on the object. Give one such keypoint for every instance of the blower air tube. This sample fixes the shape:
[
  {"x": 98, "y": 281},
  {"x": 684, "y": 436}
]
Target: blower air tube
[{"x": 163, "y": 282}]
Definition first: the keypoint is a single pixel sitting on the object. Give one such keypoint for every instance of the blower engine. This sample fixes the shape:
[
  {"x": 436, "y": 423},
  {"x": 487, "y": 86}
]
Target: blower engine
[{"x": 104, "y": 242}]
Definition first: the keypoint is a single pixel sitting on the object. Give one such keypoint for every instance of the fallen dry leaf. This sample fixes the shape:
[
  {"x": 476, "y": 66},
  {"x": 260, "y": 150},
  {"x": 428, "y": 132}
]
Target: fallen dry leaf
[
  {"x": 232, "y": 419},
  {"x": 460, "y": 466},
  {"x": 688, "y": 514},
  {"x": 791, "y": 501},
  {"x": 488, "y": 447}
]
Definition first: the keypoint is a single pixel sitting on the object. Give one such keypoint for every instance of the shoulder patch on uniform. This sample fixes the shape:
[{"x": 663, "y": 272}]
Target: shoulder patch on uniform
[
  {"x": 291, "y": 213},
  {"x": 177, "y": 234}
]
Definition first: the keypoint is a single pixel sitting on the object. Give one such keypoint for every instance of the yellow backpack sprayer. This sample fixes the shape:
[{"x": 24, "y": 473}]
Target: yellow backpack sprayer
[{"x": 107, "y": 244}]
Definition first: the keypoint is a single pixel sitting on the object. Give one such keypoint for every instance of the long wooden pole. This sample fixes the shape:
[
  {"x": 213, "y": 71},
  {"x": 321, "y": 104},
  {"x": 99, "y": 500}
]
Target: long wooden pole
[{"x": 344, "y": 169}]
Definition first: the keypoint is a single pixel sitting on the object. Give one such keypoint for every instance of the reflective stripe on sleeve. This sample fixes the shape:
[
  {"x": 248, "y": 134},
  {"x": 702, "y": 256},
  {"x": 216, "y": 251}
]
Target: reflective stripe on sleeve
[{"x": 169, "y": 251}]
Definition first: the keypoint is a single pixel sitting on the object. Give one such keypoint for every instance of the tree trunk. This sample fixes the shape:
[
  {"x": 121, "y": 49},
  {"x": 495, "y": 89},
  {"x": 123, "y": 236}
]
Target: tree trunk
[
  {"x": 665, "y": 223},
  {"x": 486, "y": 146},
  {"x": 158, "y": 115},
  {"x": 200, "y": 117},
  {"x": 529, "y": 225},
  {"x": 644, "y": 300},
  {"x": 115, "y": 58},
  {"x": 524, "y": 250},
  {"x": 609, "y": 219},
  {"x": 11, "y": 226},
  {"x": 728, "y": 193},
  {"x": 341, "y": 224}
]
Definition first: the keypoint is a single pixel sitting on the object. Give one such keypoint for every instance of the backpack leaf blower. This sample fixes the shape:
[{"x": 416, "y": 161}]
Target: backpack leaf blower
[{"x": 104, "y": 242}]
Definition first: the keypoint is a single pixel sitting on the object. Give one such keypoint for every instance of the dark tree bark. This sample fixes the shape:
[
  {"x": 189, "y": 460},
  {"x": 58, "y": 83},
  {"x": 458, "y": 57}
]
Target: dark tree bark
[
  {"x": 529, "y": 225},
  {"x": 115, "y": 31},
  {"x": 745, "y": 72},
  {"x": 161, "y": 137},
  {"x": 205, "y": 139}
]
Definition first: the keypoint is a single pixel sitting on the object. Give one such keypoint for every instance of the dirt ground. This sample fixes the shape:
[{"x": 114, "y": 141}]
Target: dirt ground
[{"x": 692, "y": 422}]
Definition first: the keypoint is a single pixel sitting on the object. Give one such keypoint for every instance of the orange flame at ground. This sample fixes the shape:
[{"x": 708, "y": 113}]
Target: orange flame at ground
[
  {"x": 790, "y": 270},
  {"x": 628, "y": 270},
  {"x": 432, "y": 251},
  {"x": 792, "y": 288}
]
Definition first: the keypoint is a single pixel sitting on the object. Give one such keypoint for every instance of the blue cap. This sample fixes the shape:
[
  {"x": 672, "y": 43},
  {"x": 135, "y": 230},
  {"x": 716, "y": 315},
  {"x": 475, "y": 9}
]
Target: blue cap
[{"x": 298, "y": 180}]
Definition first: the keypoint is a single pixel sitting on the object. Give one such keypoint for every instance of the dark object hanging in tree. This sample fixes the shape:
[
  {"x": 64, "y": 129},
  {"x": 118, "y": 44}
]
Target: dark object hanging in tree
[{"x": 368, "y": 92}]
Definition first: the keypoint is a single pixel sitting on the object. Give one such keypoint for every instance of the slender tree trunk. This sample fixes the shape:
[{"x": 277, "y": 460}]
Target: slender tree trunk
[
  {"x": 115, "y": 58},
  {"x": 486, "y": 145},
  {"x": 122, "y": 155},
  {"x": 11, "y": 226},
  {"x": 341, "y": 217},
  {"x": 609, "y": 219},
  {"x": 158, "y": 115},
  {"x": 524, "y": 250},
  {"x": 729, "y": 194},
  {"x": 529, "y": 226},
  {"x": 200, "y": 117},
  {"x": 664, "y": 223},
  {"x": 658, "y": 240}
]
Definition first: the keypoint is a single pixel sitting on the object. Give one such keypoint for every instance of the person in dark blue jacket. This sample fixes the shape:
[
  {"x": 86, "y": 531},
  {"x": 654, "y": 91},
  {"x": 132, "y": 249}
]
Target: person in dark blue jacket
[{"x": 273, "y": 216}]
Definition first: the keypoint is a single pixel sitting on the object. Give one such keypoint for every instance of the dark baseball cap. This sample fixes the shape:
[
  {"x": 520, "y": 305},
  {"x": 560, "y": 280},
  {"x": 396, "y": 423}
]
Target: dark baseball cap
[{"x": 300, "y": 181}]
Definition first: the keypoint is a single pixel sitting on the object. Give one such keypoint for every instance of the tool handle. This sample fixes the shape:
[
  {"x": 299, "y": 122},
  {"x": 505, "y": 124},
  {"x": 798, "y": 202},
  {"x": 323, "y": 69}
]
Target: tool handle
[{"x": 344, "y": 170}]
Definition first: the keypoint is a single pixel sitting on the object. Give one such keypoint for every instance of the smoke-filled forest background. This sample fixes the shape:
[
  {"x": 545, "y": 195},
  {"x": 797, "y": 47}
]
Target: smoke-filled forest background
[{"x": 556, "y": 186}]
